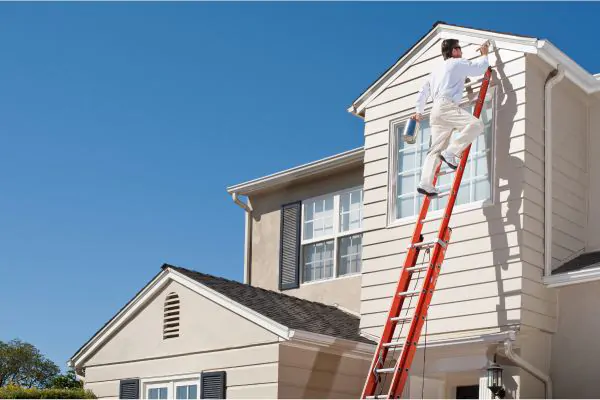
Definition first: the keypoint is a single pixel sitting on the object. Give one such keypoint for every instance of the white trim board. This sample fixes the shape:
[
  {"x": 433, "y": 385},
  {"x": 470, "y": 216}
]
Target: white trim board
[
  {"x": 589, "y": 274},
  {"x": 151, "y": 290},
  {"x": 324, "y": 165},
  {"x": 543, "y": 48}
]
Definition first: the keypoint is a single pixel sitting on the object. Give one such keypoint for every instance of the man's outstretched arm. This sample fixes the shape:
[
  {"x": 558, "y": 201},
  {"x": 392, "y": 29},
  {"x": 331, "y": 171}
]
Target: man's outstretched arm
[{"x": 478, "y": 65}]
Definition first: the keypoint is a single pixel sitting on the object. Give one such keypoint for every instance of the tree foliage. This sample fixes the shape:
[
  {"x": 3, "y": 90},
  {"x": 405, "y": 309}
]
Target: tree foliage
[
  {"x": 67, "y": 381},
  {"x": 23, "y": 365}
]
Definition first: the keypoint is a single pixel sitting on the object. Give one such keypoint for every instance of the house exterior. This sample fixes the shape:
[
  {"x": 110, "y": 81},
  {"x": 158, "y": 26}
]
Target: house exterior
[{"x": 519, "y": 284}]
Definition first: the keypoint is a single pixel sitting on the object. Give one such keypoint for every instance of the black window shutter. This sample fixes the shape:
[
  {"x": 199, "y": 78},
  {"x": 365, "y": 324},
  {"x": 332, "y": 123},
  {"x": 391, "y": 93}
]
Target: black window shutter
[
  {"x": 213, "y": 385},
  {"x": 289, "y": 249},
  {"x": 129, "y": 389}
]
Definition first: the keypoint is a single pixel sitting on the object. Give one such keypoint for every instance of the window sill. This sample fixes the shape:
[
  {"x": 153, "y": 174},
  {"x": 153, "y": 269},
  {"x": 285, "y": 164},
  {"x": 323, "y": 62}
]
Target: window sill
[
  {"x": 339, "y": 278},
  {"x": 438, "y": 214},
  {"x": 589, "y": 274}
]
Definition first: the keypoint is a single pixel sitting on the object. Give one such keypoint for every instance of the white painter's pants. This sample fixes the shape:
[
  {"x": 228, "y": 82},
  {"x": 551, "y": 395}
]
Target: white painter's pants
[{"x": 445, "y": 117}]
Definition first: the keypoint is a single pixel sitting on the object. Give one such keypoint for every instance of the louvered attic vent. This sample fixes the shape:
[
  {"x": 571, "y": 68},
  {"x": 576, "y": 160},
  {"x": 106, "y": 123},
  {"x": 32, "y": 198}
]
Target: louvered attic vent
[{"x": 171, "y": 319}]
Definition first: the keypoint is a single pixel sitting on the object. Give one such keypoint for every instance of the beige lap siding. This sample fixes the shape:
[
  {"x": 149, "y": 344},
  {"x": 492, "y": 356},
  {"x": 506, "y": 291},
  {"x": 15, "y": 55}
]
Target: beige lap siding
[
  {"x": 306, "y": 373},
  {"x": 485, "y": 282},
  {"x": 569, "y": 158},
  {"x": 251, "y": 371}
]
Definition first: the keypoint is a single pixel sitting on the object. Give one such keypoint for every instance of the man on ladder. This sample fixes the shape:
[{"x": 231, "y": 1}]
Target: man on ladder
[{"x": 446, "y": 85}]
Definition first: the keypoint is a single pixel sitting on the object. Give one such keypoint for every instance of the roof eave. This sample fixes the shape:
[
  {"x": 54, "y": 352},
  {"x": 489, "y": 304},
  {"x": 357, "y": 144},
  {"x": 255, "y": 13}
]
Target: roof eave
[
  {"x": 146, "y": 294},
  {"x": 573, "y": 71},
  {"x": 327, "y": 164},
  {"x": 361, "y": 349}
]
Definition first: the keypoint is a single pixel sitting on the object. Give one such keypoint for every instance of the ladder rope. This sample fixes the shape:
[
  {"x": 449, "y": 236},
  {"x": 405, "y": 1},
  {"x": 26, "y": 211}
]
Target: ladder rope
[{"x": 424, "y": 359}]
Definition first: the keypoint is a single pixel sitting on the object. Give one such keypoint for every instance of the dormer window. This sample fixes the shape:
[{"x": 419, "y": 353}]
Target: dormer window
[{"x": 171, "y": 316}]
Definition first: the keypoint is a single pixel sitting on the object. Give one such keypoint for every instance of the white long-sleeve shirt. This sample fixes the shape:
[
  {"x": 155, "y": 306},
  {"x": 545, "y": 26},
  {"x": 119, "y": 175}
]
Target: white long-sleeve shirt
[{"x": 448, "y": 80}]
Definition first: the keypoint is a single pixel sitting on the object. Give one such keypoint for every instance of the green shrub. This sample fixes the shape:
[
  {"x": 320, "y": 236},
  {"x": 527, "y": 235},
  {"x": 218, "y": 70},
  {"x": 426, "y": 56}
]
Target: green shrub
[{"x": 17, "y": 392}]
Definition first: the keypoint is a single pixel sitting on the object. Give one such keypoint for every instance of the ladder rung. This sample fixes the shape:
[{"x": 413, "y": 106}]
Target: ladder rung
[
  {"x": 385, "y": 370},
  {"x": 418, "y": 268},
  {"x": 393, "y": 344},
  {"x": 381, "y": 396},
  {"x": 428, "y": 244},
  {"x": 445, "y": 172},
  {"x": 402, "y": 319},
  {"x": 443, "y": 194},
  {"x": 410, "y": 293}
]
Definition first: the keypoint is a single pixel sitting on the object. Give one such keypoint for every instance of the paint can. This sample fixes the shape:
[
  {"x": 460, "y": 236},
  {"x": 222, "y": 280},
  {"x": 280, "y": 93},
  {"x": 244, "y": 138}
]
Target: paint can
[{"x": 411, "y": 131}]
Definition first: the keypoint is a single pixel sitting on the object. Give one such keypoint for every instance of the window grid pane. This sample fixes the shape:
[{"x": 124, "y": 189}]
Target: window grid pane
[
  {"x": 475, "y": 185},
  {"x": 318, "y": 218},
  {"x": 351, "y": 211},
  {"x": 318, "y": 261},
  {"x": 350, "y": 254}
]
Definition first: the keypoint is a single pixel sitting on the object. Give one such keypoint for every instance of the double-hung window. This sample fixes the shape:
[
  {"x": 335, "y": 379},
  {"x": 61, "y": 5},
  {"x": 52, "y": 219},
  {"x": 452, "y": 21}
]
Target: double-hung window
[
  {"x": 331, "y": 233},
  {"x": 182, "y": 389},
  {"x": 407, "y": 161}
]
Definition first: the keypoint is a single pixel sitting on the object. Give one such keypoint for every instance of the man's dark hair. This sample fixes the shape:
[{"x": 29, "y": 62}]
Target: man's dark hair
[{"x": 447, "y": 46}]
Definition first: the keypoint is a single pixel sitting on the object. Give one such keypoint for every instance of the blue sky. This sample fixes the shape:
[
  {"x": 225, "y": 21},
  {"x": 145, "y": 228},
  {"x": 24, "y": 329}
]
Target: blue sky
[{"x": 123, "y": 123}]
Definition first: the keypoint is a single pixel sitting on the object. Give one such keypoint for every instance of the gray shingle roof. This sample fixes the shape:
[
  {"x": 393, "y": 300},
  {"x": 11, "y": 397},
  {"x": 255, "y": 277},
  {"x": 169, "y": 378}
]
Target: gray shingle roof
[
  {"x": 583, "y": 261},
  {"x": 293, "y": 312}
]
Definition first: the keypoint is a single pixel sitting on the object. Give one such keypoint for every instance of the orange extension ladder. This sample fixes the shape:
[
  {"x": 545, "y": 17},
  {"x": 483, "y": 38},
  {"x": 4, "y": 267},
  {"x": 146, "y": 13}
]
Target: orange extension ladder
[{"x": 399, "y": 371}]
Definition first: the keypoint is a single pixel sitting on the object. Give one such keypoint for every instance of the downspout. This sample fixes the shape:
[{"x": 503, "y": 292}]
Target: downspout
[
  {"x": 247, "y": 235},
  {"x": 553, "y": 78},
  {"x": 510, "y": 354}
]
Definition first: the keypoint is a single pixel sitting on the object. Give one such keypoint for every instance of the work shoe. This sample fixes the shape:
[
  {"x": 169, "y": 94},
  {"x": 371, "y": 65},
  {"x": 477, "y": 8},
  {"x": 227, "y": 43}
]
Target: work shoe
[
  {"x": 427, "y": 190},
  {"x": 449, "y": 159}
]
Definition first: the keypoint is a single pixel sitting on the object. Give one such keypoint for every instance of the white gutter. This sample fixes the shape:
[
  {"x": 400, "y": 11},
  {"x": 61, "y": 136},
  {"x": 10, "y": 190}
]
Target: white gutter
[
  {"x": 247, "y": 235},
  {"x": 573, "y": 71},
  {"x": 559, "y": 74},
  {"x": 510, "y": 354}
]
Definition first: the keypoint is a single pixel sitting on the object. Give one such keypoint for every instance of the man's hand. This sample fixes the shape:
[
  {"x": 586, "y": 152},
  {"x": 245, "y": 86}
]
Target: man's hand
[{"x": 417, "y": 116}]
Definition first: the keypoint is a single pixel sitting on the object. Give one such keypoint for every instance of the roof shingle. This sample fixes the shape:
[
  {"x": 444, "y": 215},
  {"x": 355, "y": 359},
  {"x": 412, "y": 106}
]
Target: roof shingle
[{"x": 293, "y": 312}]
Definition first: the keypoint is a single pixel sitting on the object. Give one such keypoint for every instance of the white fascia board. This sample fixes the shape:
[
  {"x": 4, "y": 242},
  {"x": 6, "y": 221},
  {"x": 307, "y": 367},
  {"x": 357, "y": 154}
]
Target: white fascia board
[
  {"x": 512, "y": 42},
  {"x": 152, "y": 289},
  {"x": 516, "y": 43},
  {"x": 300, "y": 338},
  {"x": 573, "y": 71},
  {"x": 117, "y": 321},
  {"x": 302, "y": 171},
  {"x": 373, "y": 91},
  {"x": 589, "y": 274}
]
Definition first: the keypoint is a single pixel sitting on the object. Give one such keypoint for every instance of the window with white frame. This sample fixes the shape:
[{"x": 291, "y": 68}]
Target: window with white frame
[
  {"x": 179, "y": 389},
  {"x": 331, "y": 235},
  {"x": 408, "y": 160}
]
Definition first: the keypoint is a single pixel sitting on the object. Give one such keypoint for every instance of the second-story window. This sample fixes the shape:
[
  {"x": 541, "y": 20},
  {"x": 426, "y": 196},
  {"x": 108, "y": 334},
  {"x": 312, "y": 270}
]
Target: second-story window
[
  {"x": 331, "y": 235},
  {"x": 408, "y": 161}
]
